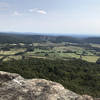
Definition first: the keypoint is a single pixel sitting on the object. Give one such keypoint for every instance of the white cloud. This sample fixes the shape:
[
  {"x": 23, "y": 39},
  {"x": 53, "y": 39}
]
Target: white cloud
[
  {"x": 16, "y": 13},
  {"x": 40, "y": 11},
  {"x": 4, "y": 6},
  {"x": 32, "y": 10}
]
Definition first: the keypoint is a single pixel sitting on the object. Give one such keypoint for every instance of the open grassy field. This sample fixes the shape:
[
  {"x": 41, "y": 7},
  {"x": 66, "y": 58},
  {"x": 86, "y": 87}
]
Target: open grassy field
[
  {"x": 49, "y": 51},
  {"x": 12, "y": 57},
  {"x": 95, "y": 45},
  {"x": 11, "y": 51},
  {"x": 90, "y": 58}
]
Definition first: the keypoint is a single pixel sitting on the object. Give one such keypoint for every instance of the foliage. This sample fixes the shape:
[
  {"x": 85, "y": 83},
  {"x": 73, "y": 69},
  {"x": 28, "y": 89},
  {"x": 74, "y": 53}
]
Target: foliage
[
  {"x": 77, "y": 75},
  {"x": 98, "y": 61},
  {"x": 22, "y": 38}
]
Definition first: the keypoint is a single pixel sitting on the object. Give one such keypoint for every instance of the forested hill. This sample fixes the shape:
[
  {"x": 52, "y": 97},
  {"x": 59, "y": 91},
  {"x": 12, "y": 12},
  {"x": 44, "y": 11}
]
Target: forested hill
[
  {"x": 27, "y": 38},
  {"x": 95, "y": 40},
  {"x": 22, "y": 38}
]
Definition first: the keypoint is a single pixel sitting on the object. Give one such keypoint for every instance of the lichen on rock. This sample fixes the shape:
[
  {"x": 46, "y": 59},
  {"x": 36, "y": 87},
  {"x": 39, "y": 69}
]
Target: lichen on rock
[{"x": 14, "y": 87}]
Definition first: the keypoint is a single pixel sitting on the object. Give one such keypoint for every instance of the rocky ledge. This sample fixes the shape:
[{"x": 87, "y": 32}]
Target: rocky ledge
[{"x": 14, "y": 87}]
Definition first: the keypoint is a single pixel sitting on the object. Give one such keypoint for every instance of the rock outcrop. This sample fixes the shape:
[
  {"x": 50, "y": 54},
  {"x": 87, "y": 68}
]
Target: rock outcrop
[{"x": 14, "y": 87}]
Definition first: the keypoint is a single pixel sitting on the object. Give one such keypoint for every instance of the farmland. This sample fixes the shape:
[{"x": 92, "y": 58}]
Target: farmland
[
  {"x": 70, "y": 61},
  {"x": 49, "y": 50}
]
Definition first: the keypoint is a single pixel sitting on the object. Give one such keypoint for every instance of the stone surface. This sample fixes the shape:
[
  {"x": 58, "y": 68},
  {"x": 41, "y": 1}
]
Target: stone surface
[{"x": 14, "y": 87}]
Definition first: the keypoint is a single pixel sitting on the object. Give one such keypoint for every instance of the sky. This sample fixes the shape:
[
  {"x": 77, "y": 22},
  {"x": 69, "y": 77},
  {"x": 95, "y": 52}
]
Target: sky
[{"x": 50, "y": 16}]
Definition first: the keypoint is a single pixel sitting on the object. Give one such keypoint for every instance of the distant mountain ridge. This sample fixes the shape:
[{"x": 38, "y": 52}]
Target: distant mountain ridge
[{"x": 29, "y": 38}]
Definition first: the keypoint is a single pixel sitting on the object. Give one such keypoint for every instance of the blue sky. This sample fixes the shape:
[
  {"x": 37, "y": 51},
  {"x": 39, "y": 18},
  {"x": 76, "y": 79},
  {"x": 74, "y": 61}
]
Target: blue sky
[{"x": 50, "y": 16}]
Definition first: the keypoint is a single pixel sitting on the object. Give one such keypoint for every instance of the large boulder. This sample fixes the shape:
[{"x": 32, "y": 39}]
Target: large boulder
[{"x": 14, "y": 87}]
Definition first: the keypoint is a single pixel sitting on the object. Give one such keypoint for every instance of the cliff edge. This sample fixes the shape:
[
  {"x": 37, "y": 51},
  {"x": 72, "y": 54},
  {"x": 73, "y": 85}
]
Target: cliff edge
[{"x": 15, "y": 87}]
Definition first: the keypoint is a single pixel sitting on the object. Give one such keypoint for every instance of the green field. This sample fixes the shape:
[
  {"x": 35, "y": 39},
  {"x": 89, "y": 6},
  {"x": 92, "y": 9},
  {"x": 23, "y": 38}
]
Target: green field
[
  {"x": 72, "y": 62},
  {"x": 48, "y": 50}
]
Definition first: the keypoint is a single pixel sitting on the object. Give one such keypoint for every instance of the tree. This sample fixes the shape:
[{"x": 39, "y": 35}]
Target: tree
[{"x": 98, "y": 61}]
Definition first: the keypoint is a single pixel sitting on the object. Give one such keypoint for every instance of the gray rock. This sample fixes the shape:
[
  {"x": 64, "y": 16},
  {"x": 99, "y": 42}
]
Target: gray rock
[{"x": 14, "y": 87}]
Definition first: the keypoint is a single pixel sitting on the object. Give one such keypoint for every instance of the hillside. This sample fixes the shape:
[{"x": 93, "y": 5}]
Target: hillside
[
  {"x": 77, "y": 75},
  {"x": 23, "y": 38},
  {"x": 72, "y": 62},
  {"x": 95, "y": 40},
  {"x": 14, "y": 87}
]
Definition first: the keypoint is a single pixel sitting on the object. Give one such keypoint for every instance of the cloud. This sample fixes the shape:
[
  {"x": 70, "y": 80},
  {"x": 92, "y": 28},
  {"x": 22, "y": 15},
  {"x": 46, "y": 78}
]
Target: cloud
[
  {"x": 16, "y": 13},
  {"x": 40, "y": 11},
  {"x": 4, "y": 6},
  {"x": 32, "y": 10},
  {"x": 3, "y": 9}
]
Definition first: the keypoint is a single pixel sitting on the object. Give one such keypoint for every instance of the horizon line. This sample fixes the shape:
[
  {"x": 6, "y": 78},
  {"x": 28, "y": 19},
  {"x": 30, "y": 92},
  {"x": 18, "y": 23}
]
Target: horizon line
[{"x": 53, "y": 33}]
